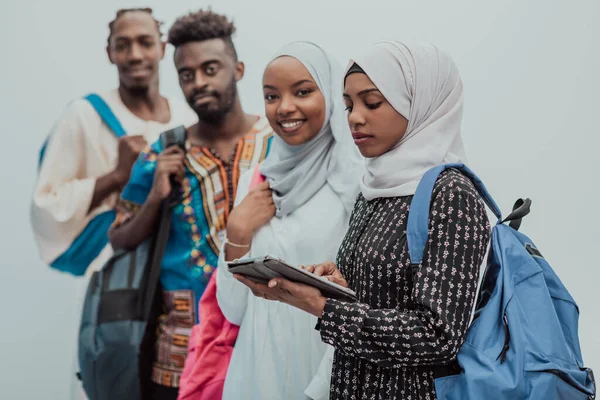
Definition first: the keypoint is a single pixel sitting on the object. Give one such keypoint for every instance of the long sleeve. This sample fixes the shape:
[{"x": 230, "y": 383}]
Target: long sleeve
[
  {"x": 232, "y": 295},
  {"x": 65, "y": 186},
  {"x": 135, "y": 193},
  {"x": 445, "y": 284}
]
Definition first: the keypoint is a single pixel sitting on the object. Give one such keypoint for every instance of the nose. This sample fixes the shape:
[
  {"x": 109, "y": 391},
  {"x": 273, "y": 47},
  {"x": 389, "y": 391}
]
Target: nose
[
  {"x": 355, "y": 119},
  {"x": 200, "y": 80},
  {"x": 286, "y": 106},
  {"x": 135, "y": 53}
]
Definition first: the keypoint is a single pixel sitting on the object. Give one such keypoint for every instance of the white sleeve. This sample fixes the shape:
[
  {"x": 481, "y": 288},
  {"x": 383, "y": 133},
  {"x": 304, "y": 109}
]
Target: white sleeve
[
  {"x": 63, "y": 191},
  {"x": 232, "y": 295},
  {"x": 318, "y": 389}
]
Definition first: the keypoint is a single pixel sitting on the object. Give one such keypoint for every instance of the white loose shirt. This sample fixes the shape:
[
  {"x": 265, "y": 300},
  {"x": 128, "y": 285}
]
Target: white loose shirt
[{"x": 278, "y": 353}]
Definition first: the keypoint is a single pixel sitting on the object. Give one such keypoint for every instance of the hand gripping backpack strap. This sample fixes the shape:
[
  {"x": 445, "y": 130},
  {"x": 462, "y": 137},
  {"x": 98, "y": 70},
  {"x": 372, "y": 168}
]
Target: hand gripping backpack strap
[{"x": 169, "y": 138}]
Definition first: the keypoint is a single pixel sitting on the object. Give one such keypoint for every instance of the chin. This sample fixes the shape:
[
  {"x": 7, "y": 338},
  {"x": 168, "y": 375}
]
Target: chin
[
  {"x": 293, "y": 140},
  {"x": 137, "y": 84},
  {"x": 367, "y": 152},
  {"x": 297, "y": 138},
  {"x": 210, "y": 116}
]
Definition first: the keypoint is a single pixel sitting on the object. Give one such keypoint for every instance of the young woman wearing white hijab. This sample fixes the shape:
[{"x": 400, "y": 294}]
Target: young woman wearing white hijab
[
  {"x": 300, "y": 214},
  {"x": 404, "y": 109}
]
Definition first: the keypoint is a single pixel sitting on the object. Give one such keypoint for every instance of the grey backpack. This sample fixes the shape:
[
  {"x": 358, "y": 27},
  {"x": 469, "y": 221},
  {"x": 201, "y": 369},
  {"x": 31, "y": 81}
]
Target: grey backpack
[{"x": 120, "y": 312}]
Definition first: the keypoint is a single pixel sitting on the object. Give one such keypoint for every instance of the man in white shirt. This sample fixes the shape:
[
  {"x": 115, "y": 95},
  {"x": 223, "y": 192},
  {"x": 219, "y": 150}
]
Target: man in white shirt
[{"x": 85, "y": 164}]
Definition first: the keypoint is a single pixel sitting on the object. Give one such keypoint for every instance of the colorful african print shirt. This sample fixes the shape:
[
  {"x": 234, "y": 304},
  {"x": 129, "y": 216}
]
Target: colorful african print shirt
[{"x": 197, "y": 232}]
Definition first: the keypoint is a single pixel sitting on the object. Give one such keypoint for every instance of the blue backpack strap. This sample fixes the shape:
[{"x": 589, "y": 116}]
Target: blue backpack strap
[
  {"x": 106, "y": 114},
  {"x": 104, "y": 111},
  {"x": 89, "y": 243},
  {"x": 43, "y": 151},
  {"x": 418, "y": 217}
]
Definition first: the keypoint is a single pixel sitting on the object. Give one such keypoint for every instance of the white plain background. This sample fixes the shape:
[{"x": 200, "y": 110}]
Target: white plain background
[{"x": 531, "y": 74}]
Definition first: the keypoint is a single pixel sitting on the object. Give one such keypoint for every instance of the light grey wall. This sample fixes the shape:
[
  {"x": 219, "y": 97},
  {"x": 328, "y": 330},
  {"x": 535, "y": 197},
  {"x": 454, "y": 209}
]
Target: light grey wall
[{"x": 530, "y": 125}]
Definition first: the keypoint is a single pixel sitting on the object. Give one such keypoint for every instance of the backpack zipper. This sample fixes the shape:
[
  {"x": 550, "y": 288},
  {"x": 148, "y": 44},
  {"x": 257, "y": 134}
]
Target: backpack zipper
[{"x": 502, "y": 355}]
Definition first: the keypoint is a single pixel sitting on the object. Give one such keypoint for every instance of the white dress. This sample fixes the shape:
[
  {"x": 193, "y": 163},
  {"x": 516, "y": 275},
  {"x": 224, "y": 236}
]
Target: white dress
[
  {"x": 81, "y": 149},
  {"x": 278, "y": 353}
]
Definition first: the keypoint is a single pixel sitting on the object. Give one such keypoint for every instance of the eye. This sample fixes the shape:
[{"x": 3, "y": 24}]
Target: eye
[
  {"x": 121, "y": 46},
  {"x": 270, "y": 97},
  {"x": 303, "y": 92},
  {"x": 210, "y": 70},
  {"x": 348, "y": 107},
  {"x": 148, "y": 43},
  {"x": 186, "y": 76},
  {"x": 373, "y": 106}
]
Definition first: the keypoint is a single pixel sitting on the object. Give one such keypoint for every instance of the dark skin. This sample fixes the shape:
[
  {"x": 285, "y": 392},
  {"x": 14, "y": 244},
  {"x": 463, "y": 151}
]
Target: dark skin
[
  {"x": 207, "y": 71},
  {"x": 295, "y": 108},
  {"x": 136, "y": 50},
  {"x": 294, "y": 105},
  {"x": 370, "y": 114},
  {"x": 375, "y": 125},
  {"x": 304, "y": 297}
]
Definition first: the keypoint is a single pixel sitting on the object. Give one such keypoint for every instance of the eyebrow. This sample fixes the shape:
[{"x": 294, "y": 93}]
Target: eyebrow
[
  {"x": 204, "y": 64},
  {"x": 142, "y": 36},
  {"x": 363, "y": 92},
  {"x": 300, "y": 82}
]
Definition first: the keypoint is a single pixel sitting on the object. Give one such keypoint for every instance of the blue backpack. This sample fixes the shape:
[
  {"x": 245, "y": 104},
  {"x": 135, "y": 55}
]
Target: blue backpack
[
  {"x": 92, "y": 240},
  {"x": 523, "y": 342}
]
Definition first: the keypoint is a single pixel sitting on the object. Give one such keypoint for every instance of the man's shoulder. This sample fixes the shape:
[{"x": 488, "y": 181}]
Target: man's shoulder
[{"x": 82, "y": 106}]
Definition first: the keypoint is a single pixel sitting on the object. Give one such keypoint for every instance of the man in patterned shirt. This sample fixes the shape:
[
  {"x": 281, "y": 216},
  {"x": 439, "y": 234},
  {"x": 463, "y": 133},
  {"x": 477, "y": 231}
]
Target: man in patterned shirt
[{"x": 225, "y": 143}]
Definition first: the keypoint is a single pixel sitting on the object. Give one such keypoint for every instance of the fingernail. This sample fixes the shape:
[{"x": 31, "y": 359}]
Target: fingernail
[{"x": 272, "y": 284}]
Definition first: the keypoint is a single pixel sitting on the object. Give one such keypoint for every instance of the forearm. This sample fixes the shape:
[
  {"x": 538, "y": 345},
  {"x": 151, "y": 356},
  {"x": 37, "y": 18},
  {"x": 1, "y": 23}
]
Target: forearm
[
  {"x": 241, "y": 245},
  {"x": 390, "y": 338},
  {"x": 105, "y": 186},
  {"x": 139, "y": 228}
]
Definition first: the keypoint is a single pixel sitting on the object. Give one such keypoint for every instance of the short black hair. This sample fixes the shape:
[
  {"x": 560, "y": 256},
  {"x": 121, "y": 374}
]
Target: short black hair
[
  {"x": 123, "y": 11},
  {"x": 202, "y": 25}
]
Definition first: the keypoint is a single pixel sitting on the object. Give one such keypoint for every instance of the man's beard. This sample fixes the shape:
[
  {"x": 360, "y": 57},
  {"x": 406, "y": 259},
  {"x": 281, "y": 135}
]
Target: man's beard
[{"x": 209, "y": 114}]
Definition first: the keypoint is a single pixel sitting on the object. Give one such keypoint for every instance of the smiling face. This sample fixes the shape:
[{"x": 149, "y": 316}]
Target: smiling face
[
  {"x": 376, "y": 126},
  {"x": 294, "y": 104},
  {"x": 135, "y": 48}
]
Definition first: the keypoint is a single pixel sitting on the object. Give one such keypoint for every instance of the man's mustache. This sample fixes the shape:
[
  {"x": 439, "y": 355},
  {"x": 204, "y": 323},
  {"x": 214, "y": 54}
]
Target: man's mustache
[{"x": 204, "y": 93}]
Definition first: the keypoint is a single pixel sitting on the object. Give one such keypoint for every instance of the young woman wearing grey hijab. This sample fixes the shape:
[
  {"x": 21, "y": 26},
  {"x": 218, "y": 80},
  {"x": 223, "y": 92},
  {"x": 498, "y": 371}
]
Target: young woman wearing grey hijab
[{"x": 300, "y": 214}]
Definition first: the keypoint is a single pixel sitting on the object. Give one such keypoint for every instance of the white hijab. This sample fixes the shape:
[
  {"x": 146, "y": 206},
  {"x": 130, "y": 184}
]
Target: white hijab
[
  {"x": 296, "y": 173},
  {"x": 423, "y": 84}
]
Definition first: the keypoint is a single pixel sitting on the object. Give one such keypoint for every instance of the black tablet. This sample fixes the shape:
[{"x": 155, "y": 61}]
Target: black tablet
[{"x": 263, "y": 269}]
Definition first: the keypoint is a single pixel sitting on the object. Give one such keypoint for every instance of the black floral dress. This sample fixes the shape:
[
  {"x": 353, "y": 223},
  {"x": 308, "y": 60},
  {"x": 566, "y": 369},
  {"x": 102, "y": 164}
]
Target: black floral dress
[{"x": 403, "y": 328}]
